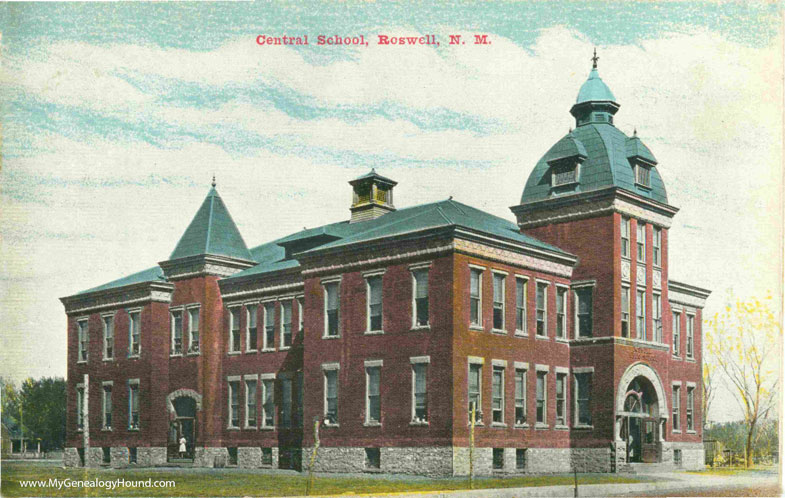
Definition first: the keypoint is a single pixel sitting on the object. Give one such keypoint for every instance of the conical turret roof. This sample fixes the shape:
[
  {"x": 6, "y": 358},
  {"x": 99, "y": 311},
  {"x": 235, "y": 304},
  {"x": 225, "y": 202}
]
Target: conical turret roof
[{"x": 212, "y": 231}]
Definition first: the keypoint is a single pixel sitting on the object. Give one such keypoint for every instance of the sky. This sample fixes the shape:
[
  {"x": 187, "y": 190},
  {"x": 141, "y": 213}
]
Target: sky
[{"x": 115, "y": 116}]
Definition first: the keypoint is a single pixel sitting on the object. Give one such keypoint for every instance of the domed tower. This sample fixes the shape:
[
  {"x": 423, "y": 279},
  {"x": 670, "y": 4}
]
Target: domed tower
[{"x": 597, "y": 193}]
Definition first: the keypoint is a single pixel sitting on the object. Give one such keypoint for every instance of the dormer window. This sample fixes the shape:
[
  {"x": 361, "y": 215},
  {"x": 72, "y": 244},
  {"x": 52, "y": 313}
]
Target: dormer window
[
  {"x": 565, "y": 174},
  {"x": 643, "y": 175}
]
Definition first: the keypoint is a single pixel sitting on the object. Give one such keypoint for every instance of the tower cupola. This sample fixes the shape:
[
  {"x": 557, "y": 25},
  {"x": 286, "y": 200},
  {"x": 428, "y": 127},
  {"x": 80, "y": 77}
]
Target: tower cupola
[
  {"x": 595, "y": 102},
  {"x": 372, "y": 196}
]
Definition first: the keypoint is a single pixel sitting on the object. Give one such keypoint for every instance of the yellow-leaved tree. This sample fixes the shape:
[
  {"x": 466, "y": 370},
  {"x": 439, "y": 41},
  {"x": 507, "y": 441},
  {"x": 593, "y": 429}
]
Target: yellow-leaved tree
[{"x": 742, "y": 343}]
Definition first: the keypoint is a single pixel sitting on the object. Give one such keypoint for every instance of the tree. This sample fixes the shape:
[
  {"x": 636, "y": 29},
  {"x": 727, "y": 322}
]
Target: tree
[
  {"x": 742, "y": 342},
  {"x": 42, "y": 404},
  {"x": 708, "y": 392}
]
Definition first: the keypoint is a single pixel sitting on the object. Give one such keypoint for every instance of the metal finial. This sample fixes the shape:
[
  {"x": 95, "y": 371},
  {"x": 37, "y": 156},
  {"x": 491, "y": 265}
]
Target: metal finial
[
  {"x": 570, "y": 132},
  {"x": 213, "y": 179},
  {"x": 595, "y": 59},
  {"x": 635, "y": 131}
]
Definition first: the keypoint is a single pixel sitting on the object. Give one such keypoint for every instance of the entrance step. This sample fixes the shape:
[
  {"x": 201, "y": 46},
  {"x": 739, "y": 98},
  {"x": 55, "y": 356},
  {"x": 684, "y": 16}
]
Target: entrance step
[
  {"x": 179, "y": 462},
  {"x": 649, "y": 468}
]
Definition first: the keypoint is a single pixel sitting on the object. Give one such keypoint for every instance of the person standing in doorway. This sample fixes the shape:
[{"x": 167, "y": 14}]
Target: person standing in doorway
[{"x": 182, "y": 446}]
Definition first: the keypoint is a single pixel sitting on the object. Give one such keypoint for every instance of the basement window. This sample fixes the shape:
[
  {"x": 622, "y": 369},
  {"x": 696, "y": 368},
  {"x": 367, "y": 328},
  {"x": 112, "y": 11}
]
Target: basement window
[
  {"x": 373, "y": 459},
  {"x": 132, "y": 455},
  {"x": 498, "y": 459},
  {"x": 232, "y": 456}
]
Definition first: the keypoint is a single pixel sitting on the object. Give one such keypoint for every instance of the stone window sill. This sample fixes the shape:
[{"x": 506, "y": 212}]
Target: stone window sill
[
  {"x": 108, "y": 359},
  {"x": 561, "y": 428},
  {"x": 234, "y": 353},
  {"x": 134, "y": 356},
  {"x": 267, "y": 428},
  {"x": 562, "y": 341},
  {"x": 106, "y": 429},
  {"x": 418, "y": 424},
  {"x": 499, "y": 331},
  {"x": 521, "y": 426},
  {"x": 81, "y": 362},
  {"x": 542, "y": 337},
  {"x": 477, "y": 423},
  {"x": 676, "y": 431},
  {"x": 691, "y": 360},
  {"x": 372, "y": 424},
  {"x": 476, "y": 328},
  {"x": 520, "y": 333},
  {"x": 247, "y": 351},
  {"x": 421, "y": 327},
  {"x": 374, "y": 332},
  {"x": 330, "y": 426},
  {"x": 230, "y": 428},
  {"x": 540, "y": 426},
  {"x": 331, "y": 337},
  {"x": 583, "y": 427},
  {"x": 176, "y": 355},
  {"x": 250, "y": 428},
  {"x": 284, "y": 348},
  {"x": 498, "y": 424},
  {"x": 676, "y": 357},
  {"x": 133, "y": 429},
  {"x": 268, "y": 350},
  {"x": 691, "y": 432}
]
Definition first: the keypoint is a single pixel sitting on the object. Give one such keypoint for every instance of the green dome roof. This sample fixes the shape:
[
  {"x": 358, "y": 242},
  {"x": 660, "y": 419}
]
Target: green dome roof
[
  {"x": 595, "y": 90},
  {"x": 608, "y": 163}
]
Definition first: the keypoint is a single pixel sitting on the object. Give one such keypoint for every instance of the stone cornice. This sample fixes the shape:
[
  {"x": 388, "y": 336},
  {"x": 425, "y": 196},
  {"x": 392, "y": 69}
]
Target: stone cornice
[
  {"x": 202, "y": 265},
  {"x": 521, "y": 259},
  {"x": 592, "y": 204},
  {"x": 258, "y": 289},
  {"x": 686, "y": 294},
  {"x": 359, "y": 260},
  {"x": 623, "y": 341},
  {"x": 119, "y": 297}
]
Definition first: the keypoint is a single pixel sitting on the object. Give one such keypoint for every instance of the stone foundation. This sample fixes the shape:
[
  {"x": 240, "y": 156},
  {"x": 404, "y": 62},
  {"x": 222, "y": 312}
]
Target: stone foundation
[
  {"x": 592, "y": 459},
  {"x": 207, "y": 456},
  {"x": 433, "y": 461},
  {"x": 71, "y": 458},
  {"x": 693, "y": 455},
  {"x": 94, "y": 457},
  {"x": 548, "y": 460},
  {"x": 152, "y": 456},
  {"x": 119, "y": 456}
]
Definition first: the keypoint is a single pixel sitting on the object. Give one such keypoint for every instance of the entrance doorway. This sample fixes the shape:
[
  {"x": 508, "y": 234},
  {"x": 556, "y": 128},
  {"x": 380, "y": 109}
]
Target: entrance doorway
[
  {"x": 182, "y": 430},
  {"x": 641, "y": 428}
]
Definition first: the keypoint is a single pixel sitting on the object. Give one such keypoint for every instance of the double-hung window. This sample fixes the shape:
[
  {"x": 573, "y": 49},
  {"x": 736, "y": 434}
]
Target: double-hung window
[
  {"x": 561, "y": 399},
  {"x": 497, "y": 395},
  {"x": 690, "y": 336},
  {"x": 373, "y": 399},
  {"x": 268, "y": 401},
  {"x": 250, "y": 402},
  {"x": 521, "y": 288},
  {"x": 193, "y": 330},
  {"x": 561, "y": 313},
  {"x": 108, "y": 321},
  {"x": 625, "y": 237},
  {"x": 251, "y": 328},
  {"x": 286, "y": 324},
  {"x": 640, "y": 308},
  {"x": 331, "y": 396},
  {"x": 332, "y": 309},
  {"x": 475, "y": 298},
  {"x": 690, "y": 407},
  {"x": 80, "y": 404},
  {"x": 300, "y": 316},
  {"x": 520, "y": 396},
  {"x": 133, "y": 404},
  {"x": 583, "y": 399},
  {"x": 641, "y": 240},
  {"x": 656, "y": 245},
  {"x": 625, "y": 311},
  {"x": 420, "y": 390},
  {"x": 81, "y": 332},
  {"x": 234, "y": 404},
  {"x": 676, "y": 402},
  {"x": 269, "y": 327},
  {"x": 234, "y": 330},
  {"x": 542, "y": 397},
  {"x": 584, "y": 311},
  {"x": 106, "y": 403},
  {"x": 421, "y": 301},
  {"x": 542, "y": 309},
  {"x": 656, "y": 313},
  {"x": 374, "y": 310},
  {"x": 475, "y": 391},
  {"x": 134, "y": 333},
  {"x": 498, "y": 301},
  {"x": 177, "y": 332},
  {"x": 676, "y": 334}
]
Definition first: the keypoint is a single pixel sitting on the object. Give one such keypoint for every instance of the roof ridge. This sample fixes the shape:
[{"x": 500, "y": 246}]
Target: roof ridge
[
  {"x": 443, "y": 215},
  {"x": 210, "y": 222}
]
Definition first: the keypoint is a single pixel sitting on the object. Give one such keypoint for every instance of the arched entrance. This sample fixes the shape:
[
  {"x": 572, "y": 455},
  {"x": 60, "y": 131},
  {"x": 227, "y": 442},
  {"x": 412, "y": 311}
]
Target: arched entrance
[
  {"x": 641, "y": 414},
  {"x": 182, "y": 405}
]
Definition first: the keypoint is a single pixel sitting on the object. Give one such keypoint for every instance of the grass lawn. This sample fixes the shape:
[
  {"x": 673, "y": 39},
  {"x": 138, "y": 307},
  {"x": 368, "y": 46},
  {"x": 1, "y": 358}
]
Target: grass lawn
[
  {"x": 233, "y": 482},
  {"x": 732, "y": 471}
]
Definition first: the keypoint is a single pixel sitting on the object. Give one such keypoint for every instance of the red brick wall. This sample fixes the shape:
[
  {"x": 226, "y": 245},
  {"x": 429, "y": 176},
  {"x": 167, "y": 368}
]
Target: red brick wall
[{"x": 395, "y": 347}]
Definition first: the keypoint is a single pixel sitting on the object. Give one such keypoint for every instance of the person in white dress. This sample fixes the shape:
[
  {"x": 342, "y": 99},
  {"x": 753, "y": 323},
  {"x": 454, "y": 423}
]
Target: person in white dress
[{"x": 182, "y": 446}]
